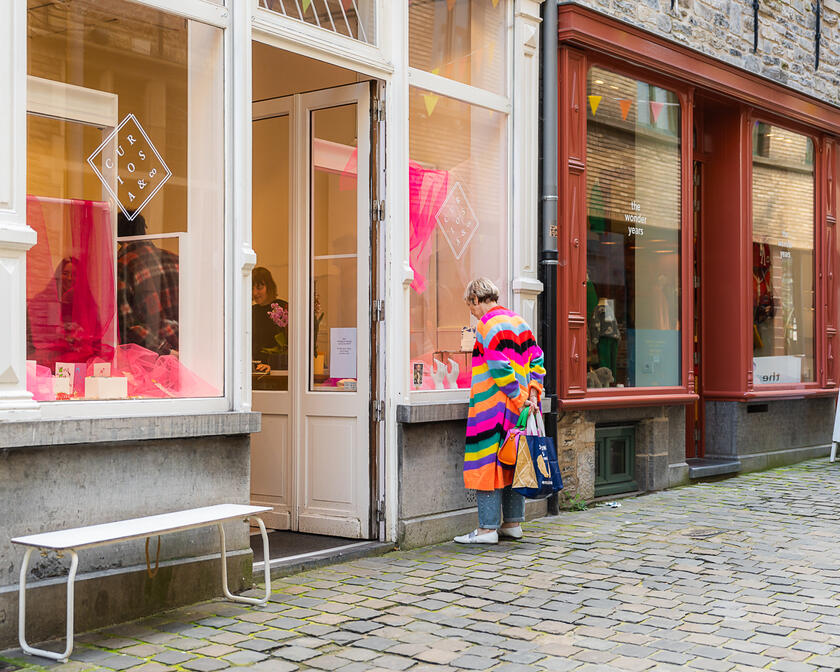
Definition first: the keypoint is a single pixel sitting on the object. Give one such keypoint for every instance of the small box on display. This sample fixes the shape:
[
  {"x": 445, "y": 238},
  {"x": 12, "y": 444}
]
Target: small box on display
[
  {"x": 106, "y": 388},
  {"x": 62, "y": 385}
]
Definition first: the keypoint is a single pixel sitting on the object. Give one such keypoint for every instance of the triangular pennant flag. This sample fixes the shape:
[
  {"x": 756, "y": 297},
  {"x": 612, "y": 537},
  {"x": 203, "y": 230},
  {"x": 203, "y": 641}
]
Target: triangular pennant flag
[
  {"x": 625, "y": 104},
  {"x": 306, "y": 4},
  {"x": 495, "y": 3},
  {"x": 431, "y": 101},
  {"x": 436, "y": 71},
  {"x": 656, "y": 110},
  {"x": 450, "y": 4},
  {"x": 347, "y": 4},
  {"x": 594, "y": 102}
]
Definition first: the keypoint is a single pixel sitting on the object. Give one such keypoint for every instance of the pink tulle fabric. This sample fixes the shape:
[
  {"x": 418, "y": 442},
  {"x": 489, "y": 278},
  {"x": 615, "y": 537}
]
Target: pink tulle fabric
[
  {"x": 70, "y": 281},
  {"x": 427, "y": 192}
]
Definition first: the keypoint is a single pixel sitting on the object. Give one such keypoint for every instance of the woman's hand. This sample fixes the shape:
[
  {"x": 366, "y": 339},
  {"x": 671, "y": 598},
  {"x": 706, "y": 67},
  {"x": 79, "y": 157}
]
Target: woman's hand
[{"x": 534, "y": 403}]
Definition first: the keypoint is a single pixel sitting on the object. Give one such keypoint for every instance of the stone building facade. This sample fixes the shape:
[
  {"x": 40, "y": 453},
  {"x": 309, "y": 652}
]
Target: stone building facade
[{"x": 763, "y": 231}]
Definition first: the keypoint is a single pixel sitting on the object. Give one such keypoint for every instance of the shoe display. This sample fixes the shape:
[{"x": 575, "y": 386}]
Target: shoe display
[
  {"x": 475, "y": 538},
  {"x": 511, "y": 532}
]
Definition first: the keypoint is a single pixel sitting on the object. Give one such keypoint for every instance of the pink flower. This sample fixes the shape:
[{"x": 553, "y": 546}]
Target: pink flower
[{"x": 279, "y": 315}]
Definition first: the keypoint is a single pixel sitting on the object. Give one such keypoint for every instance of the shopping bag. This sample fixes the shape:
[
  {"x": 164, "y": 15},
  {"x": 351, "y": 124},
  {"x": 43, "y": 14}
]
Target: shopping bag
[
  {"x": 514, "y": 440},
  {"x": 537, "y": 473}
]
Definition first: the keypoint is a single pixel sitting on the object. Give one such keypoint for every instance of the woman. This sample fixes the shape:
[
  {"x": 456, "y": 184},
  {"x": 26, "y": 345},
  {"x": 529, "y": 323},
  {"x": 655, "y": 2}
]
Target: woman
[
  {"x": 507, "y": 375},
  {"x": 263, "y": 328}
]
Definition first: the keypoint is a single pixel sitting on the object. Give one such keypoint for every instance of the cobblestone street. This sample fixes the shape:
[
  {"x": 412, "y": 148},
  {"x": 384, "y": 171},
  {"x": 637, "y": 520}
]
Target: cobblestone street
[{"x": 741, "y": 574}]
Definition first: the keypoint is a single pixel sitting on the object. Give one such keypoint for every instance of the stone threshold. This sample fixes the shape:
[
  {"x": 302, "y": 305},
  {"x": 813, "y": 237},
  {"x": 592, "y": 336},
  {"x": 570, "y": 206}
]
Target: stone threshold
[{"x": 704, "y": 468}]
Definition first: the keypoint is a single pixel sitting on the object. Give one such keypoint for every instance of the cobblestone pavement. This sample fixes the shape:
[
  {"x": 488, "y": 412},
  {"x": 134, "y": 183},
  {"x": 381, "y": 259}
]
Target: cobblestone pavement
[{"x": 741, "y": 574}]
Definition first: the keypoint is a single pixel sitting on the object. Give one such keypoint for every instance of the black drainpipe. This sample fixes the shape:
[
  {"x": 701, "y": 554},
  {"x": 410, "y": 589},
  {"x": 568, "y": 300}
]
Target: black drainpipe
[{"x": 547, "y": 305}]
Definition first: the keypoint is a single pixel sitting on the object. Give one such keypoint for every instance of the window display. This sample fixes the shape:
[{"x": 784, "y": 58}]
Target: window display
[
  {"x": 633, "y": 181},
  {"x": 125, "y": 286},
  {"x": 782, "y": 256},
  {"x": 458, "y": 229},
  {"x": 462, "y": 40}
]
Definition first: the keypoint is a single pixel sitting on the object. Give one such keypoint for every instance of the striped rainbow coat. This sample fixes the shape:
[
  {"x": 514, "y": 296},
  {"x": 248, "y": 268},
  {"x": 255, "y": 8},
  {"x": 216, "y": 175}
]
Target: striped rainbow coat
[{"x": 506, "y": 365}]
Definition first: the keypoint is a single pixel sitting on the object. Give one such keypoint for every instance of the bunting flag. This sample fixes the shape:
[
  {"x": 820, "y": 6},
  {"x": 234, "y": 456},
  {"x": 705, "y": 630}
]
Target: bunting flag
[
  {"x": 431, "y": 101},
  {"x": 306, "y": 4},
  {"x": 625, "y": 107},
  {"x": 347, "y": 4},
  {"x": 347, "y": 179},
  {"x": 436, "y": 71},
  {"x": 495, "y": 3},
  {"x": 656, "y": 109},
  {"x": 450, "y": 4},
  {"x": 594, "y": 102}
]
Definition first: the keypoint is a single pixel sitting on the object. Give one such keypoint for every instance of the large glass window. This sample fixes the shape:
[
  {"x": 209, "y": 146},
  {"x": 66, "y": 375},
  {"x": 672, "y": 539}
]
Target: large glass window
[
  {"x": 782, "y": 256},
  {"x": 125, "y": 286},
  {"x": 633, "y": 183},
  {"x": 457, "y": 229},
  {"x": 462, "y": 40}
]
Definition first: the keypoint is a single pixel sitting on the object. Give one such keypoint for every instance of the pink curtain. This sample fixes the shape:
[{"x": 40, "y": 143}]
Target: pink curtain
[
  {"x": 70, "y": 282},
  {"x": 427, "y": 192}
]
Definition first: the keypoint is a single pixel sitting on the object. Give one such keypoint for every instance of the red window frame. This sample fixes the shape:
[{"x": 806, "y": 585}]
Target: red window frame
[{"x": 589, "y": 38}]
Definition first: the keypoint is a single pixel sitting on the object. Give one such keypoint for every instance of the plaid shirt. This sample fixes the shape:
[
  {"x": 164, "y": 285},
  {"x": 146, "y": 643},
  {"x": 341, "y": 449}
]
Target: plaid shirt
[{"x": 147, "y": 296}]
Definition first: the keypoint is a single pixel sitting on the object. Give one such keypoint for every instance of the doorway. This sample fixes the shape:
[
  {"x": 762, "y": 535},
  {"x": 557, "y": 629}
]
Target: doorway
[{"x": 312, "y": 338}]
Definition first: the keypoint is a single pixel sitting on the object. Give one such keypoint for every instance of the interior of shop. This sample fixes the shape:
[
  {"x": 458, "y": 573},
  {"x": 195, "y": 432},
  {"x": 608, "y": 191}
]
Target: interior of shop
[{"x": 310, "y": 181}]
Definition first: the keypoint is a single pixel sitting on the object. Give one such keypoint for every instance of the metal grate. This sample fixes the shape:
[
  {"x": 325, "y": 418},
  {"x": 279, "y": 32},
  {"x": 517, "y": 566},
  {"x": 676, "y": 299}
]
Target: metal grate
[{"x": 344, "y": 17}]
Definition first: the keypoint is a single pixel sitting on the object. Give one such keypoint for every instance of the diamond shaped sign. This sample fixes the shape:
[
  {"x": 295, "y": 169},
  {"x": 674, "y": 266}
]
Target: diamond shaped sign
[
  {"x": 457, "y": 220},
  {"x": 130, "y": 166}
]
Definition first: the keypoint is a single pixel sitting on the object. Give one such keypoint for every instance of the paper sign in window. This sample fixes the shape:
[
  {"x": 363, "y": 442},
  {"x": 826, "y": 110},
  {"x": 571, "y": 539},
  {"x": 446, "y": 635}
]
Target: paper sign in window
[{"x": 343, "y": 352}]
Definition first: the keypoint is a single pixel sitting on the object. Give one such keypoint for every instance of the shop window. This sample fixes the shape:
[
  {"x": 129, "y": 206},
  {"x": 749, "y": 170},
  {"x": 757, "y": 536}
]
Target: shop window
[
  {"x": 463, "y": 40},
  {"x": 633, "y": 175},
  {"x": 125, "y": 286},
  {"x": 782, "y": 256},
  {"x": 458, "y": 229}
]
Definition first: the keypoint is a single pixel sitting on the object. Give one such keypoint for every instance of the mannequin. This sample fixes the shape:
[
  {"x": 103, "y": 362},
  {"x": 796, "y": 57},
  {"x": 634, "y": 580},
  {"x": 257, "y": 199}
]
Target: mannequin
[{"x": 604, "y": 333}]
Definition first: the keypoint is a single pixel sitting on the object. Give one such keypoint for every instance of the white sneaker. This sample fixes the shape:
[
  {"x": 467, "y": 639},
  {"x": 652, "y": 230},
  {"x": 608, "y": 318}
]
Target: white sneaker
[
  {"x": 475, "y": 538},
  {"x": 511, "y": 532}
]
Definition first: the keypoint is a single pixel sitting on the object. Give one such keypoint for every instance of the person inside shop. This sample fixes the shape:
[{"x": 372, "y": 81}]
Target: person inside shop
[
  {"x": 147, "y": 290},
  {"x": 63, "y": 322},
  {"x": 507, "y": 376},
  {"x": 269, "y": 323}
]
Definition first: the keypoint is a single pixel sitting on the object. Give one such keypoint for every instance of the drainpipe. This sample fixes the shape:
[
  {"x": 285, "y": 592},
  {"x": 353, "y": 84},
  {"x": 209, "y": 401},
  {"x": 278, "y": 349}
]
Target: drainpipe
[{"x": 548, "y": 216}]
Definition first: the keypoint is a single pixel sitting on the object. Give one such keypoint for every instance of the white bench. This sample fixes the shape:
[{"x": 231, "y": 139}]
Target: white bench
[{"x": 70, "y": 541}]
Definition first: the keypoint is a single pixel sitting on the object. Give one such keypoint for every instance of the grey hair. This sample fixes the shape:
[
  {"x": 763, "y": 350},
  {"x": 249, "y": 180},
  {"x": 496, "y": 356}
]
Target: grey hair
[{"x": 482, "y": 290}]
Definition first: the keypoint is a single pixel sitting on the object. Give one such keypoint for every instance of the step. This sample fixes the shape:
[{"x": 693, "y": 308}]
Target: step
[{"x": 705, "y": 467}]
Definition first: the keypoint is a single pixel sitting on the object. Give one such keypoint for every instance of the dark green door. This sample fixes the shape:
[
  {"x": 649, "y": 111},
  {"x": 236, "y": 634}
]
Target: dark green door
[{"x": 615, "y": 458}]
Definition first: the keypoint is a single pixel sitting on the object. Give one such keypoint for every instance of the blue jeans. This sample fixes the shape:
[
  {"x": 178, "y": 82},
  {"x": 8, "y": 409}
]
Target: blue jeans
[{"x": 493, "y": 504}]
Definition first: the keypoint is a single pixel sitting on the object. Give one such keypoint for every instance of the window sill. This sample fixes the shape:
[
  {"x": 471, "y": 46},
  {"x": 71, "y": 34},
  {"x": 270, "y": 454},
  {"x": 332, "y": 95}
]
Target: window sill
[
  {"x": 109, "y": 430},
  {"x": 627, "y": 401},
  {"x": 771, "y": 394},
  {"x": 442, "y": 411}
]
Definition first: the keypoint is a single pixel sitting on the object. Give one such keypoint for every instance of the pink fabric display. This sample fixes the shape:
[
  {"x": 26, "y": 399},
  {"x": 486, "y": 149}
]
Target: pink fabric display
[
  {"x": 70, "y": 281},
  {"x": 427, "y": 192}
]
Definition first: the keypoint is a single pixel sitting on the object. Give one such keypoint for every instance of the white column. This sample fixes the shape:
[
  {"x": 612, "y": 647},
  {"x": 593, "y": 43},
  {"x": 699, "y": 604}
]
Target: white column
[
  {"x": 15, "y": 236},
  {"x": 526, "y": 100},
  {"x": 239, "y": 69}
]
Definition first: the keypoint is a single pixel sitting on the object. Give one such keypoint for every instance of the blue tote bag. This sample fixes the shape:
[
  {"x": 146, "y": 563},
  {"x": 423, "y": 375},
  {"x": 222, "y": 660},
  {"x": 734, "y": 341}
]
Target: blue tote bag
[{"x": 537, "y": 473}]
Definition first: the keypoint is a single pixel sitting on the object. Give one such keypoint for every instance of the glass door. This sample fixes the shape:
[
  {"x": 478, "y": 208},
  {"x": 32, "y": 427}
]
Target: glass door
[{"x": 335, "y": 399}]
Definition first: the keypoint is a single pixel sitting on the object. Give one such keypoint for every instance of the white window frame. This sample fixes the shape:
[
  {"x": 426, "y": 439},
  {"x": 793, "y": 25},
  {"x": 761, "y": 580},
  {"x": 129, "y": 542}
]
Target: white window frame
[
  {"x": 475, "y": 96},
  {"x": 217, "y": 16}
]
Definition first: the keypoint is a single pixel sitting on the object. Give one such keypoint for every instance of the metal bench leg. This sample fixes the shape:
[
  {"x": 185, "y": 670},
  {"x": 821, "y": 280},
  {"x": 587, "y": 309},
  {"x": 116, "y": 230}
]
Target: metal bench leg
[
  {"x": 71, "y": 582},
  {"x": 239, "y": 598}
]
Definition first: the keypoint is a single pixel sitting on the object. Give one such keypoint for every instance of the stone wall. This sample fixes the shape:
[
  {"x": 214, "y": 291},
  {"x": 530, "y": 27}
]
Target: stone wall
[
  {"x": 57, "y": 487},
  {"x": 723, "y": 29}
]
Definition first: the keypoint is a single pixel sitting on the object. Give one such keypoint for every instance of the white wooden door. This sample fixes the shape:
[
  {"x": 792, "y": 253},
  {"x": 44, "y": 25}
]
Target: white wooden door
[{"x": 311, "y": 460}]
